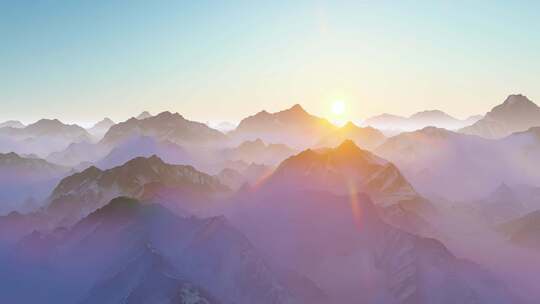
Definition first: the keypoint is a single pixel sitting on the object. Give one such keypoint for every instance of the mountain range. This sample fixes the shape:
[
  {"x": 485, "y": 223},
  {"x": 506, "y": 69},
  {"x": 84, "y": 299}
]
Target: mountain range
[
  {"x": 132, "y": 252},
  {"x": 517, "y": 113},
  {"x": 285, "y": 208},
  {"x": 294, "y": 127},
  {"x": 101, "y": 127},
  {"x": 319, "y": 234},
  {"x": 41, "y": 138},
  {"x": 11, "y": 124},
  {"x": 24, "y": 182},
  {"x": 461, "y": 167},
  {"x": 256, "y": 151},
  {"x": 433, "y": 118},
  {"x": 164, "y": 126},
  {"x": 366, "y": 137},
  {"x": 150, "y": 178}
]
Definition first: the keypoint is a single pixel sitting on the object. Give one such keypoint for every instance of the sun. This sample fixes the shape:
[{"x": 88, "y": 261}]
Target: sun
[{"x": 338, "y": 107}]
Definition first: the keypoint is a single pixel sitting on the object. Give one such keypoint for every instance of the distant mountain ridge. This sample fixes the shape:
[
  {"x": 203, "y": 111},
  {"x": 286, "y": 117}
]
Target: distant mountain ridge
[
  {"x": 42, "y": 137},
  {"x": 144, "y": 115},
  {"x": 419, "y": 120},
  {"x": 517, "y": 113},
  {"x": 132, "y": 252},
  {"x": 100, "y": 128},
  {"x": 12, "y": 124},
  {"x": 47, "y": 127},
  {"x": 164, "y": 126},
  {"x": 462, "y": 167},
  {"x": 365, "y": 137},
  {"x": 24, "y": 182},
  {"x": 257, "y": 151},
  {"x": 294, "y": 127}
]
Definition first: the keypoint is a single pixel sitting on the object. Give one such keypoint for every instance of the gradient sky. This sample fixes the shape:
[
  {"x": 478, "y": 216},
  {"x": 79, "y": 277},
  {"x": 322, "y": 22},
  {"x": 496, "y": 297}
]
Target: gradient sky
[{"x": 223, "y": 60}]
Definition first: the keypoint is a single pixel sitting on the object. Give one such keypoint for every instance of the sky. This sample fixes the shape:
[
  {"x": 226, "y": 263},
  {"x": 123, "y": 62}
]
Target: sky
[{"x": 80, "y": 61}]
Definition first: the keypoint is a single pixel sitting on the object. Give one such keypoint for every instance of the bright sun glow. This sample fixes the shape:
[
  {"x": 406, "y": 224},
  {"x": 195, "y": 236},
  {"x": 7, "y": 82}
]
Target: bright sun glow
[{"x": 338, "y": 107}]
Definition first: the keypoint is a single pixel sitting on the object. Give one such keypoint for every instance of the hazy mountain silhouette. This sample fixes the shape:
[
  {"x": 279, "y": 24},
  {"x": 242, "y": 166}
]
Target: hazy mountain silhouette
[
  {"x": 101, "y": 127},
  {"x": 144, "y": 115},
  {"x": 446, "y": 163},
  {"x": 81, "y": 193},
  {"x": 244, "y": 175},
  {"x": 317, "y": 234},
  {"x": 501, "y": 205},
  {"x": 367, "y": 137},
  {"x": 144, "y": 146},
  {"x": 434, "y": 118},
  {"x": 294, "y": 127},
  {"x": 42, "y": 137},
  {"x": 516, "y": 113},
  {"x": 164, "y": 126},
  {"x": 11, "y": 124},
  {"x": 131, "y": 252},
  {"x": 256, "y": 151},
  {"x": 524, "y": 231},
  {"x": 24, "y": 182},
  {"x": 78, "y": 153}
]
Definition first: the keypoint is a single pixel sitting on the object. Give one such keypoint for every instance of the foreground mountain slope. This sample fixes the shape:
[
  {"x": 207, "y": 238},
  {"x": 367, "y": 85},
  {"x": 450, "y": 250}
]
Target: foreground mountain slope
[
  {"x": 517, "y": 113},
  {"x": 134, "y": 253},
  {"x": 341, "y": 243}
]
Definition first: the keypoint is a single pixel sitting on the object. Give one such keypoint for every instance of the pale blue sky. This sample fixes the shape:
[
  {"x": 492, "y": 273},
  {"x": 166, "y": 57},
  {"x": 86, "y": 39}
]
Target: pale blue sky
[{"x": 214, "y": 60}]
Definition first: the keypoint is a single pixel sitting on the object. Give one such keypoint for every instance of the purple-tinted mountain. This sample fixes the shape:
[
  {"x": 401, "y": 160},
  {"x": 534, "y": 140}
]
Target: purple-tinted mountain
[
  {"x": 149, "y": 178},
  {"x": 502, "y": 205},
  {"x": 433, "y": 118},
  {"x": 341, "y": 243},
  {"x": 257, "y": 151},
  {"x": 101, "y": 127},
  {"x": 348, "y": 169},
  {"x": 11, "y": 124},
  {"x": 244, "y": 175},
  {"x": 461, "y": 167},
  {"x": 144, "y": 146},
  {"x": 524, "y": 231},
  {"x": 41, "y": 138},
  {"x": 165, "y": 126},
  {"x": 517, "y": 113},
  {"x": 144, "y": 115},
  {"x": 78, "y": 153},
  {"x": 367, "y": 137},
  {"x": 130, "y": 252},
  {"x": 294, "y": 127},
  {"x": 344, "y": 169},
  {"x": 25, "y": 182}
]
